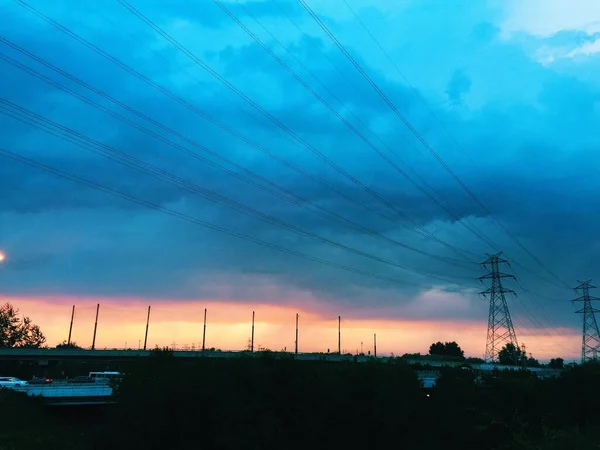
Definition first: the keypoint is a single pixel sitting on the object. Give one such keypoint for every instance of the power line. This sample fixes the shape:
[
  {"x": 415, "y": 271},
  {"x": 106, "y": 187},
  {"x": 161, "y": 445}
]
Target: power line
[
  {"x": 536, "y": 275},
  {"x": 422, "y": 140},
  {"x": 196, "y": 110},
  {"x": 295, "y": 198},
  {"x": 450, "y": 211},
  {"x": 366, "y": 98},
  {"x": 360, "y": 92},
  {"x": 534, "y": 301},
  {"x": 431, "y": 111},
  {"x": 224, "y": 126},
  {"x": 337, "y": 114},
  {"x": 284, "y": 127},
  {"x": 111, "y": 153},
  {"x": 116, "y": 193},
  {"x": 344, "y": 75},
  {"x": 532, "y": 318}
]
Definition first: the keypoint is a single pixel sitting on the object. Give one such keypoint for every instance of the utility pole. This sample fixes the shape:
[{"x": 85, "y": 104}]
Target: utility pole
[
  {"x": 204, "y": 332},
  {"x": 252, "y": 342},
  {"x": 296, "y": 349},
  {"x": 95, "y": 327},
  {"x": 71, "y": 326},
  {"x": 500, "y": 327},
  {"x": 339, "y": 335},
  {"x": 590, "y": 343},
  {"x": 375, "y": 345},
  {"x": 147, "y": 325}
]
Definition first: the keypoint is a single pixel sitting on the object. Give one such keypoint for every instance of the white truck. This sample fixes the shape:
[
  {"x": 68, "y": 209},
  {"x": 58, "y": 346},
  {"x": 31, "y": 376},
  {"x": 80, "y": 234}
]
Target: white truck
[{"x": 104, "y": 377}]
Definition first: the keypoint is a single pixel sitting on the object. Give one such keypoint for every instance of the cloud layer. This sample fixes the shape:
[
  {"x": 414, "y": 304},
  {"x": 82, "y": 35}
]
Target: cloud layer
[{"x": 505, "y": 99}]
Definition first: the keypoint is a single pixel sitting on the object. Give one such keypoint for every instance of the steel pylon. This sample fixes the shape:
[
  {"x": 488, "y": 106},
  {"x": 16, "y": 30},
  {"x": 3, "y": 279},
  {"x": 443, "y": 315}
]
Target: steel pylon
[
  {"x": 500, "y": 327},
  {"x": 590, "y": 344}
]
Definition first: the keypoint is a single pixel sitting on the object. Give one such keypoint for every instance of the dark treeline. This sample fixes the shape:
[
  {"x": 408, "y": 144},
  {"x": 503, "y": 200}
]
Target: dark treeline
[{"x": 266, "y": 403}]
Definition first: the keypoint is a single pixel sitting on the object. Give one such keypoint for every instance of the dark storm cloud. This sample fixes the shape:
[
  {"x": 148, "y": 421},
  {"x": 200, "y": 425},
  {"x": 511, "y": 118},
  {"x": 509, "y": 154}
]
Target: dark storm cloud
[{"x": 534, "y": 149}]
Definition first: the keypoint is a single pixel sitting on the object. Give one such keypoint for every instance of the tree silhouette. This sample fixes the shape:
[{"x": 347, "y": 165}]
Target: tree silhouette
[
  {"x": 532, "y": 362},
  {"x": 453, "y": 349},
  {"x": 510, "y": 355},
  {"x": 475, "y": 360},
  {"x": 437, "y": 349},
  {"x": 448, "y": 349},
  {"x": 72, "y": 345},
  {"x": 557, "y": 363},
  {"x": 18, "y": 332}
]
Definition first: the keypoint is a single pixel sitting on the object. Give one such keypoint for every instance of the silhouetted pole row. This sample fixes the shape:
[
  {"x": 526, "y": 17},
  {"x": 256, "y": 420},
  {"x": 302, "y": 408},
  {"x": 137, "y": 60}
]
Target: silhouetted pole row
[
  {"x": 95, "y": 327},
  {"x": 204, "y": 332},
  {"x": 296, "y": 349},
  {"x": 147, "y": 325},
  {"x": 296, "y": 342},
  {"x": 71, "y": 326},
  {"x": 339, "y": 335},
  {"x": 252, "y": 341}
]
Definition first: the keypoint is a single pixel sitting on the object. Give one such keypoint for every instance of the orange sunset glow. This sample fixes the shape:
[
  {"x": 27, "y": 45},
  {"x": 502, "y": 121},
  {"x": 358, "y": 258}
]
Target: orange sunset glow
[{"x": 122, "y": 324}]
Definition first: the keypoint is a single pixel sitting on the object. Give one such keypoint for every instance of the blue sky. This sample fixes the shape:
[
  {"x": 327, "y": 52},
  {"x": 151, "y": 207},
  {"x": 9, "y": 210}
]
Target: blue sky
[{"x": 505, "y": 92}]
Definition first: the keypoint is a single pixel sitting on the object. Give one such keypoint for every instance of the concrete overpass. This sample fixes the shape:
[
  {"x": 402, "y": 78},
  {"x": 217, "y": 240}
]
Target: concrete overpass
[
  {"x": 54, "y": 354},
  {"x": 44, "y": 355}
]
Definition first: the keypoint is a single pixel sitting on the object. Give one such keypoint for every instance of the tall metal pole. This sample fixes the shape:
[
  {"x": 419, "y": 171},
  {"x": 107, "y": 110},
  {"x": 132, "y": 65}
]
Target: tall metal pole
[
  {"x": 204, "y": 332},
  {"x": 147, "y": 325},
  {"x": 95, "y": 327},
  {"x": 71, "y": 326},
  {"x": 375, "y": 345},
  {"x": 339, "y": 335},
  {"x": 296, "y": 350},
  {"x": 252, "y": 342}
]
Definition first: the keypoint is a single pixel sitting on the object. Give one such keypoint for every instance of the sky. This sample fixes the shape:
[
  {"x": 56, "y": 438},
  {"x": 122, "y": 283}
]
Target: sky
[{"x": 345, "y": 158}]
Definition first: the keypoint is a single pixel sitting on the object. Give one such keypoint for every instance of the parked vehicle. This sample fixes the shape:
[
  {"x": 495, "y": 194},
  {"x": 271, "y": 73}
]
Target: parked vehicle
[
  {"x": 104, "y": 377},
  {"x": 82, "y": 379},
  {"x": 12, "y": 382},
  {"x": 39, "y": 380}
]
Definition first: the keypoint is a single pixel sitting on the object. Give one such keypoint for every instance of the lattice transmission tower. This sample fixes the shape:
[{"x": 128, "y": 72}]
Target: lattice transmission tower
[
  {"x": 590, "y": 345},
  {"x": 500, "y": 327}
]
